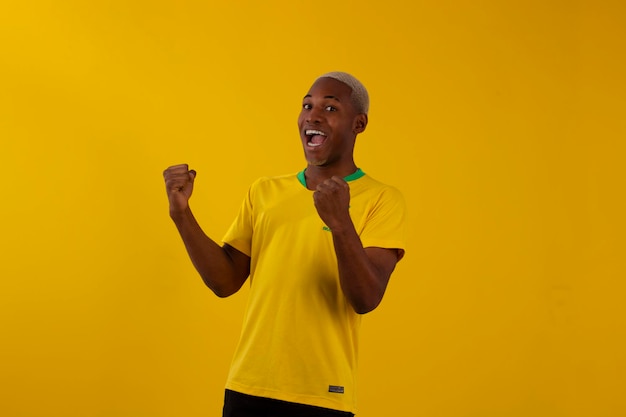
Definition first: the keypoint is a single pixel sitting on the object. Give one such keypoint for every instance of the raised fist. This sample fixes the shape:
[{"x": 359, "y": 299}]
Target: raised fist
[
  {"x": 179, "y": 186},
  {"x": 332, "y": 201}
]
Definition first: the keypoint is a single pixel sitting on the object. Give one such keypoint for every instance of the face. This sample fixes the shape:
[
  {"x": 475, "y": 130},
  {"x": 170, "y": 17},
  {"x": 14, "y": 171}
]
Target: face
[{"x": 329, "y": 123}]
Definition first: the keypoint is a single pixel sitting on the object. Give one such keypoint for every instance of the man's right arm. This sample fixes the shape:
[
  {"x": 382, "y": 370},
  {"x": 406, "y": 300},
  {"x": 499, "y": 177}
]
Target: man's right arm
[{"x": 223, "y": 269}]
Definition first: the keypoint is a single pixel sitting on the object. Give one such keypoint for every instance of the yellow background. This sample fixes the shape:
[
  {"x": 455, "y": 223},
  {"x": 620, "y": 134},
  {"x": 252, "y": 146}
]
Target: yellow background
[{"x": 503, "y": 122}]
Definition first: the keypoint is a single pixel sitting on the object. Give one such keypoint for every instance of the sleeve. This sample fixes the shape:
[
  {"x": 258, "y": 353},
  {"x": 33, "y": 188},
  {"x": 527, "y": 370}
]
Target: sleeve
[
  {"x": 239, "y": 235},
  {"x": 385, "y": 225}
]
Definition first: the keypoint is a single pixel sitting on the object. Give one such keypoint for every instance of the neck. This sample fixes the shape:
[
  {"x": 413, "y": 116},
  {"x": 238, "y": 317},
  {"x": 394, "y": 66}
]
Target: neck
[{"x": 315, "y": 174}]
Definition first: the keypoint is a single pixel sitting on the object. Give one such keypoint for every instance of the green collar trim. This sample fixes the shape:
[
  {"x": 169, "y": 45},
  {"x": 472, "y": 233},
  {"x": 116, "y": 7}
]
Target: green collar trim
[{"x": 354, "y": 176}]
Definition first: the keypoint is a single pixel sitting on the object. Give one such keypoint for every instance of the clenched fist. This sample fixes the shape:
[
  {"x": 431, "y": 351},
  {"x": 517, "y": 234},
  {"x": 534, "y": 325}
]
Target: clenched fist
[
  {"x": 179, "y": 186},
  {"x": 332, "y": 201}
]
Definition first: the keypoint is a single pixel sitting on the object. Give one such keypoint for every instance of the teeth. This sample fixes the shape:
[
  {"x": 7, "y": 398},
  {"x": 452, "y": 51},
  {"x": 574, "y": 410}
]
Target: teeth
[{"x": 314, "y": 132}]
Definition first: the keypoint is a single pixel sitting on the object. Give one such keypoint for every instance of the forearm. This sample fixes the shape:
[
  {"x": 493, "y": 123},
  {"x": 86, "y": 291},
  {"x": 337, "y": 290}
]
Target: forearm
[
  {"x": 363, "y": 284},
  {"x": 213, "y": 262},
  {"x": 363, "y": 272}
]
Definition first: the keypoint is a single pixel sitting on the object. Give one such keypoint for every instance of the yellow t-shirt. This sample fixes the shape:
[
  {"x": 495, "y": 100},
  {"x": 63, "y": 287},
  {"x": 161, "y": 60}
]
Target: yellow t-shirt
[{"x": 299, "y": 341}]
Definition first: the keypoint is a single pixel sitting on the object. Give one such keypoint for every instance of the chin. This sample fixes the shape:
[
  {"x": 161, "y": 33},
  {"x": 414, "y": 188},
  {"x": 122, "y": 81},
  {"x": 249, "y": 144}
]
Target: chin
[{"x": 316, "y": 163}]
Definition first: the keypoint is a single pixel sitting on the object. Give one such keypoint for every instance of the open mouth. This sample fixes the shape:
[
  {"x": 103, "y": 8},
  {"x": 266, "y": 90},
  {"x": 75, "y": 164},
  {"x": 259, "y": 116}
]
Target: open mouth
[{"x": 315, "y": 137}]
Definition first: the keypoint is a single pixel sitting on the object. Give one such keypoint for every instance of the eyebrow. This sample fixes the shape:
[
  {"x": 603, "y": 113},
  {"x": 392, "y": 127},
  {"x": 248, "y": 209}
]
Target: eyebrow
[{"x": 331, "y": 97}]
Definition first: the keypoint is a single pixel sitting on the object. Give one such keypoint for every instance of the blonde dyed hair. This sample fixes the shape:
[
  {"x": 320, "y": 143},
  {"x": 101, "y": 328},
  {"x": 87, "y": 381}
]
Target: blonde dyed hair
[{"x": 359, "y": 95}]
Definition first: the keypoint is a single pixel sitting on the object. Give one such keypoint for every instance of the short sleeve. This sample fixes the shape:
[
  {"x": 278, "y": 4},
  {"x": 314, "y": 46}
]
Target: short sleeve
[
  {"x": 385, "y": 223},
  {"x": 239, "y": 235}
]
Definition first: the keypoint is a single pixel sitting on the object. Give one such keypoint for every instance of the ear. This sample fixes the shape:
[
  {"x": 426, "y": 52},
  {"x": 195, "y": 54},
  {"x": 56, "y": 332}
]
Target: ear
[{"x": 360, "y": 123}]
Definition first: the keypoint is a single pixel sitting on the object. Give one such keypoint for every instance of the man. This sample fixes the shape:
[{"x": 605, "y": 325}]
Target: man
[{"x": 319, "y": 248}]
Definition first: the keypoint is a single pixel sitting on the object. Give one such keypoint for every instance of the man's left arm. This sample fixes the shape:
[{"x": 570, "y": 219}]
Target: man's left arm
[{"x": 363, "y": 272}]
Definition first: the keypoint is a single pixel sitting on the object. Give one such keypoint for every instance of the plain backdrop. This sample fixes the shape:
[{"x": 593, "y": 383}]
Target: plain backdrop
[{"x": 503, "y": 123}]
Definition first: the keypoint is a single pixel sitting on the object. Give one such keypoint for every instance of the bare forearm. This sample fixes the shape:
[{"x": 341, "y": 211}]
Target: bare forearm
[
  {"x": 213, "y": 262},
  {"x": 363, "y": 272},
  {"x": 362, "y": 282}
]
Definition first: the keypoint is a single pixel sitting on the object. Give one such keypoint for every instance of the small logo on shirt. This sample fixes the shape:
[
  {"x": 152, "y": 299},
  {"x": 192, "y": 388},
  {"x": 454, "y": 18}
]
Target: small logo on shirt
[
  {"x": 326, "y": 228},
  {"x": 337, "y": 389}
]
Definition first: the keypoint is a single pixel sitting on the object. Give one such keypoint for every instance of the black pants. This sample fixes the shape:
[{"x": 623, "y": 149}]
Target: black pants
[{"x": 237, "y": 404}]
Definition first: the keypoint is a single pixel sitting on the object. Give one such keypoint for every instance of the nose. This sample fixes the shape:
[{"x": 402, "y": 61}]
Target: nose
[{"x": 314, "y": 115}]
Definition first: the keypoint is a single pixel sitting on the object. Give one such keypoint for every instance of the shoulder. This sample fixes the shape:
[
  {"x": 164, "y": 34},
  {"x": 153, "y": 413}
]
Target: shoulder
[
  {"x": 276, "y": 183},
  {"x": 275, "y": 179},
  {"x": 376, "y": 189}
]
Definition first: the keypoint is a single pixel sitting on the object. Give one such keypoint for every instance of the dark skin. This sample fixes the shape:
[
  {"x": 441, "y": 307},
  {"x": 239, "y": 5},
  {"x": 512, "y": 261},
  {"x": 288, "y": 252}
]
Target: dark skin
[
  {"x": 222, "y": 268},
  {"x": 328, "y": 124}
]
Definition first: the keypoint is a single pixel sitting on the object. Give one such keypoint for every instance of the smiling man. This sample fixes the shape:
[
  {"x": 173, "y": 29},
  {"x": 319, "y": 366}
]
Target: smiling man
[{"x": 319, "y": 248}]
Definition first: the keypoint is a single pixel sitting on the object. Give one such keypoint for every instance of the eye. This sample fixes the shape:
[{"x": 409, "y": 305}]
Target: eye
[
  {"x": 307, "y": 106},
  {"x": 330, "y": 108}
]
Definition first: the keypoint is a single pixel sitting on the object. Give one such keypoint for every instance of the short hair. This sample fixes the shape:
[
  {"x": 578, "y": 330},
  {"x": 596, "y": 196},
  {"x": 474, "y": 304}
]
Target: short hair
[{"x": 359, "y": 95}]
